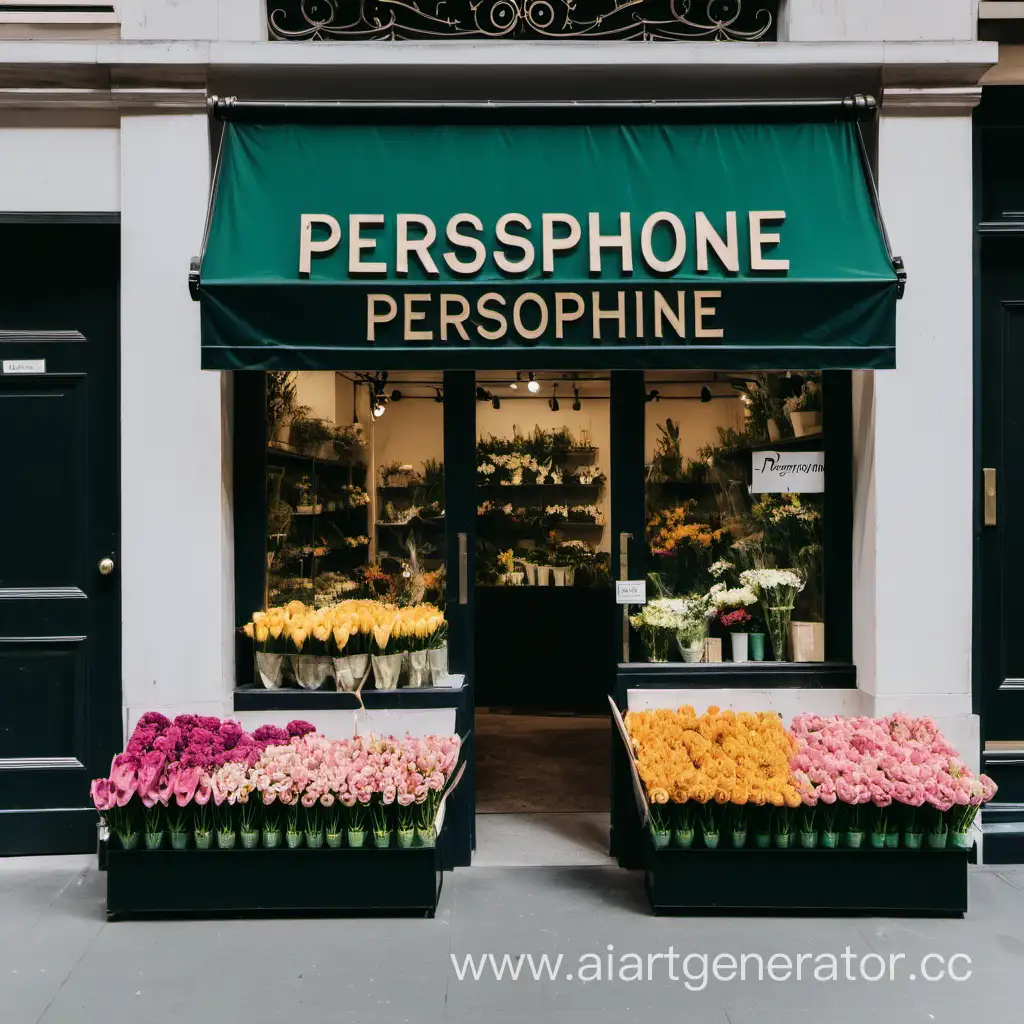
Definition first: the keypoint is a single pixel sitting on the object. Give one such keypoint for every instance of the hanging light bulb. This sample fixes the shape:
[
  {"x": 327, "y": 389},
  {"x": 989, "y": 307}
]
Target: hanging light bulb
[
  {"x": 519, "y": 379},
  {"x": 378, "y": 409},
  {"x": 533, "y": 387}
]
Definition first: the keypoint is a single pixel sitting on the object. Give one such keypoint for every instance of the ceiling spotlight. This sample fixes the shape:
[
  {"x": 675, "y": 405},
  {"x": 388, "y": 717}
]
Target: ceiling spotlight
[
  {"x": 396, "y": 395},
  {"x": 483, "y": 395},
  {"x": 553, "y": 400},
  {"x": 515, "y": 384},
  {"x": 496, "y": 402},
  {"x": 438, "y": 396},
  {"x": 576, "y": 405},
  {"x": 378, "y": 409},
  {"x": 533, "y": 387},
  {"x": 653, "y": 396},
  {"x": 705, "y": 394}
]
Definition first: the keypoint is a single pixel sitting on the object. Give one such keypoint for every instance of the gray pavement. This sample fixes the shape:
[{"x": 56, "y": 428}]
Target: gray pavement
[{"x": 61, "y": 963}]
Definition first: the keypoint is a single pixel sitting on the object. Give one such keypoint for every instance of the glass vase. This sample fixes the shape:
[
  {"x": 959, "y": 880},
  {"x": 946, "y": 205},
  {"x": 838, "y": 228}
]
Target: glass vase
[
  {"x": 808, "y": 840},
  {"x": 293, "y": 840},
  {"x": 271, "y": 838},
  {"x": 711, "y": 840},
  {"x": 427, "y": 836},
  {"x": 854, "y": 839},
  {"x": 961, "y": 840},
  {"x": 179, "y": 840},
  {"x": 405, "y": 837},
  {"x": 656, "y": 643},
  {"x": 830, "y": 840},
  {"x": 335, "y": 840},
  {"x": 777, "y": 618},
  {"x": 128, "y": 840},
  {"x": 662, "y": 837},
  {"x": 203, "y": 839},
  {"x": 314, "y": 838},
  {"x": 356, "y": 838},
  {"x": 912, "y": 840},
  {"x": 763, "y": 840},
  {"x": 226, "y": 839},
  {"x": 683, "y": 837},
  {"x": 382, "y": 839},
  {"x": 936, "y": 840},
  {"x": 154, "y": 840},
  {"x": 739, "y": 838}
]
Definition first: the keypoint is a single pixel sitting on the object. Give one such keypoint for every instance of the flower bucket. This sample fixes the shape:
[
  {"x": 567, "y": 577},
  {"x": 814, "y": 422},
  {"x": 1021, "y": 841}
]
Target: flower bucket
[
  {"x": 783, "y": 840},
  {"x": 419, "y": 670},
  {"x": 739, "y": 838},
  {"x": 830, "y": 840},
  {"x": 892, "y": 840},
  {"x": 912, "y": 840},
  {"x": 315, "y": 839},
  {"x": 854, "y": 840},
  {"x": 293, "y": 840},
  {"x": 558, "y": 575},
  {"x": 514, "y": 579},
  {"x": 269, "y": 669},
  {"x": 387, "y": 670},
  {"x": 683, "y": 837},
  {"x": 693, "y": 654},
  {"x": 426, "y": 836},
  {"x": 203, "y": 840},
  {"x": 755, "y": 646},
  {"x": 405, "y": 837},
  {"x": 711, "y": 840},
  {"x": 877, "y": 840},
  {"x": 570, "y": 575},
  {"x": 763, "y": 840},
  {"x": 808, "y": 840},
  {"x": 226, "y": 840},
  {"x": 936, "y": 840},
  {"x": 531, "y": 574},
  {"x": 382, "y": 840},
  {"x": 250, "y": 839},
  {"x": 777, "y": 617},
  {"x": 311, "y": 670},
  {"x": 335, "y": 840},
  {"x": 271, "y": 838},
  {"x": 344, "y": 680},
  {"x": 356, "y": 838},
  {"x": 544, "y": 575},
  {"x": 179, "y": 840},
  {"x": 128, "y": 840},
  {"x": 154, "y": 840},
  {"x": 961, "y": 840},
  {"x": 774, "y": 434},
  {"x": 437, "y": 661},
  {"x": 662, "y": 837},
  {"x": 739, "y": 647}
]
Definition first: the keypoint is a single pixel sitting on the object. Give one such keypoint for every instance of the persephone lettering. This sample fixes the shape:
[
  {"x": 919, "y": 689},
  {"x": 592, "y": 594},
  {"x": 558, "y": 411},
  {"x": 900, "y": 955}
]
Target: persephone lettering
[
  {"x": 515, "y": 245},
  {"x": 778, "y": 465}
]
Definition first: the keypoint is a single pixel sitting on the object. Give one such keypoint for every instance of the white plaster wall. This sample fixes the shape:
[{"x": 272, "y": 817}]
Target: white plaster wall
[
  {"x": 878, "y": 20},
  {"x": 60, "y": 170},
  {"x": 914, "y": 428},
  {"x": 176, "y": 559},
  {"x": 222, "y": 20}
]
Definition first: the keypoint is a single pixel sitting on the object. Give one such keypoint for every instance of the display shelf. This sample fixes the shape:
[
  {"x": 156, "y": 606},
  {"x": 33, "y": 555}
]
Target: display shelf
[
  {"x": 220, "y": 883},
  {"x": 536, "y": 490},
  {"x": 809, "y": 441},
  {"x": 641, "y": 675},
  {"x": 794, "y": 881},
  {"x": 286, "y": 453},
  {"x": 256, "y": 698},
  {"x": 681, "y": 489}
]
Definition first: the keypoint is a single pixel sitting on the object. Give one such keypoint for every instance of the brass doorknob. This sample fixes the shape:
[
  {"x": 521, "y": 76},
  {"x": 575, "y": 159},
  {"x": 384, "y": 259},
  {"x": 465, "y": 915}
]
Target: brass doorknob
[{"x": 106, "y": 566}]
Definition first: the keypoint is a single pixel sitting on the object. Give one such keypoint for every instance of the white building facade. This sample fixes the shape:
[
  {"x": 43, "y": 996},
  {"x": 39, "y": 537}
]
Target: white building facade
[{"x": 103, "y": 118}]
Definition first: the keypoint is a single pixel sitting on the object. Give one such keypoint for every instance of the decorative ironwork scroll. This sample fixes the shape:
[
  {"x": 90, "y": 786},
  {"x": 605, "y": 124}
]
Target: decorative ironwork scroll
[{"x": 523, "y": 19}]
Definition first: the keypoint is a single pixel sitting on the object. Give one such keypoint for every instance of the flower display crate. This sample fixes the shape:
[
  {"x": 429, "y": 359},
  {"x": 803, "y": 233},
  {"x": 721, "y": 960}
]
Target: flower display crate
[
  {"x": 925, "y": 883},
  {"x": 302, "y": 882}
]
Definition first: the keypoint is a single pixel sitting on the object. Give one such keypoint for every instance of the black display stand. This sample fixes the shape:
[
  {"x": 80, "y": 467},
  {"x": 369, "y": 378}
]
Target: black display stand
[
  {"x": 241, "y": 883},
  {"x": 924, "y": 883}
]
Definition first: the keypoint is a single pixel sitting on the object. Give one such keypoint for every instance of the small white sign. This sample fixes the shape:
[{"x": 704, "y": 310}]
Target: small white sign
[
  {"x": 631, "y": 591},
  {"x": 24, "y": 366},
  {"x": 788, "y": 473}
]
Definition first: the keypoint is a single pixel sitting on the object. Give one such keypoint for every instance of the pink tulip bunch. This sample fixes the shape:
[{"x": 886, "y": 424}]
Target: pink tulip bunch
[
  {"x": 896, "y": 760},
  {"x": 185, "y": 764}
]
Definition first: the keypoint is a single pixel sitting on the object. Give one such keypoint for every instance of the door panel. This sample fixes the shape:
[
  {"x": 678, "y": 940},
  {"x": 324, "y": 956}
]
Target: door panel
[{"x": 60, "y": 680}]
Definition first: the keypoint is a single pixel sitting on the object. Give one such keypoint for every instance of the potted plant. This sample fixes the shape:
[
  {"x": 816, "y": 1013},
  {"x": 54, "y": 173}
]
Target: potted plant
[
  {"x": 805, "y": 409},
  {"x": 248, "y": 823},
  {"x": 734, "y": 617},
  {"x": 709, "y": 825},
  {"x": 661, "y": 831},
  {"x": 693, "y": 627},
  {"x": 282, "y": 407},
  {"x": 356, "y": 831},
  {"x": 271, "y": 823},
  {"x": 333, "y": 833},
  {"x": 314, "y": 437},
  {"x": 381, "y": 825},
  {"x": 682, "y": 833},
  {"x": 508, "y": 577},
  {"x": 202, "y": 834},
  {"x": 739, "y": 825}
]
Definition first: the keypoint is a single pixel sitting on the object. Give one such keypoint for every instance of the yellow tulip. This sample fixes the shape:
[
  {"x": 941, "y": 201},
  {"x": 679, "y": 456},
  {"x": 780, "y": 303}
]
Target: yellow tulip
[
  {"x": 298, "y": 637},
  {"x": 276, "y": 629},
  {"x": 322, "y": 632},
  {"x": 341, "y": 635},
  {"x": 259, "y": 618},
  {"x": 262, "y": 632},
  {"x": 248, "y": 630}
]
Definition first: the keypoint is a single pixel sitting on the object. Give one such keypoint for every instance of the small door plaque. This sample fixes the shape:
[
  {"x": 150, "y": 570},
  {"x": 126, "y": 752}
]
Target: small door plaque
[
  {"x": 24, "y": 366},
  {"x": 630, "y": 591}
]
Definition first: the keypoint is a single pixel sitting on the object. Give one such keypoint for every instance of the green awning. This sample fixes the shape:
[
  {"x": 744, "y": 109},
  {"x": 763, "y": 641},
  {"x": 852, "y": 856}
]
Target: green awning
[{"x": 753, "y": 246}]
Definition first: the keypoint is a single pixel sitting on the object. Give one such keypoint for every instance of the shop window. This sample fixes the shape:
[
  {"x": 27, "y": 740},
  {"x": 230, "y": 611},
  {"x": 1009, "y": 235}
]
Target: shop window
[
  {"x": 355, "y": 488},
  {"x": 542, "y": 495},
  {"x": 735, "y": 517}
]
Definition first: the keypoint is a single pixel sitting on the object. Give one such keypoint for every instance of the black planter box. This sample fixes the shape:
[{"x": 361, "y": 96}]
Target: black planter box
[
  {"x": 302, "y": 882},
  {"x": 914, "y": 882}
]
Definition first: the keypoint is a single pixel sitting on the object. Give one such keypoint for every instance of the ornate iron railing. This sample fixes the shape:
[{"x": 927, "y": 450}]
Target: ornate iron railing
[{"x": 523, "y": 19}]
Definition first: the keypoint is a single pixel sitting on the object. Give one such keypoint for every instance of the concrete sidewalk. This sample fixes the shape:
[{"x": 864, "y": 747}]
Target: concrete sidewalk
[{"x": 61, "y": 963}]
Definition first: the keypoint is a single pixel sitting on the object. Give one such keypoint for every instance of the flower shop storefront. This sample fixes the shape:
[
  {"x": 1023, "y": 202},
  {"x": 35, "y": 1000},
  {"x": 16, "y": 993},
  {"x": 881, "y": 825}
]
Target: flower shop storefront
[{"x": 508, "y": 381}]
